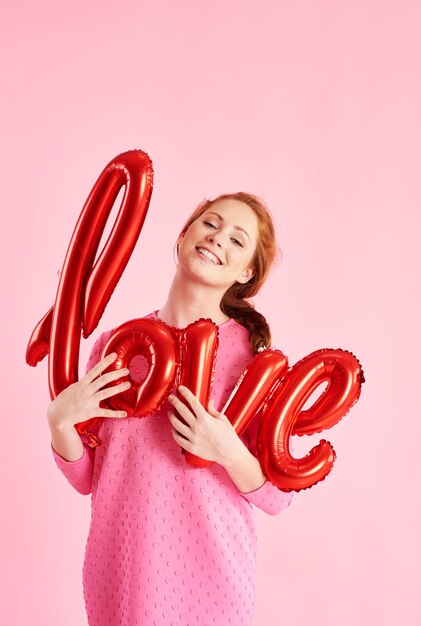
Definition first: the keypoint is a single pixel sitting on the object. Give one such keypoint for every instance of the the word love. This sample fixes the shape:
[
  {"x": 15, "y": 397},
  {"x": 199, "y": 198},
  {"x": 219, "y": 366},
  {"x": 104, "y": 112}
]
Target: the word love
[{"x": 184, "y": 356}]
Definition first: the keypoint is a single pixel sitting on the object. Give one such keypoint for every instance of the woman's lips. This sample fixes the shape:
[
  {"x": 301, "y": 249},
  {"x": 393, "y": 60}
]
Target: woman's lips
[{"x": 212, "y": 257}]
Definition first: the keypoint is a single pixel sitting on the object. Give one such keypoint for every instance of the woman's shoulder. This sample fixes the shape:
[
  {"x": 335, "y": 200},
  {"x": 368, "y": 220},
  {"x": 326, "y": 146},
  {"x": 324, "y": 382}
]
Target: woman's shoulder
[
  {"x": 234, "y": 341},
  {"x": 233, "y": 326}
]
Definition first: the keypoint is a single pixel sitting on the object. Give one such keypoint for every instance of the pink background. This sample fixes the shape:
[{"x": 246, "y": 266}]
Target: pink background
[{"x": 316, "y": 107}]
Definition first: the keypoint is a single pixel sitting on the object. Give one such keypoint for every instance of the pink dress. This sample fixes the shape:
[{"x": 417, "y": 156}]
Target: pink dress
[{"x": 169, "y": 543}]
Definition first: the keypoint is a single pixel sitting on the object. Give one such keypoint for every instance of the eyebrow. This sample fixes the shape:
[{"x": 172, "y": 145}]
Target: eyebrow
[{"x": 236, "y": 227}]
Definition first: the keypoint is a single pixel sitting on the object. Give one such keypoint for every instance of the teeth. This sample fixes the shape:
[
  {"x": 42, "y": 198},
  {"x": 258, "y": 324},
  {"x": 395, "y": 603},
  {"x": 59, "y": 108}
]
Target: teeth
[{"x": 209, "y": 255}]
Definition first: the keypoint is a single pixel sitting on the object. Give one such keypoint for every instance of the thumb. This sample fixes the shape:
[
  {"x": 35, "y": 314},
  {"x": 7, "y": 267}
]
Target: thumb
[
  {"x": 212, "y": 411},
  {"x": 211, "y": 408}
]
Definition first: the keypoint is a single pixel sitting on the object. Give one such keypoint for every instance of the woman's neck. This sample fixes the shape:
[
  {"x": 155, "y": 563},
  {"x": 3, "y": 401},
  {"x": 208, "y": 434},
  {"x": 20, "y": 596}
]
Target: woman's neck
[{"x": 189, "y": 300}]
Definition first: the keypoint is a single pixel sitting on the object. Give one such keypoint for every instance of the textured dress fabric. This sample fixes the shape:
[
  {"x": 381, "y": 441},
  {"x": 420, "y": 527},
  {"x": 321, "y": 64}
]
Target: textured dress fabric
[{"x": 169, "y": 543}]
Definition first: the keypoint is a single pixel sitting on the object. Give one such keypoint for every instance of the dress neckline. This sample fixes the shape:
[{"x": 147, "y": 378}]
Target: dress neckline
[{"x": 223, "y": 324}]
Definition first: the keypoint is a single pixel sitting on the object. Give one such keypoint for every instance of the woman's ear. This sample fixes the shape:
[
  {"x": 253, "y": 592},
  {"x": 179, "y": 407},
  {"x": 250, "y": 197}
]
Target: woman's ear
[
  {"x": 246, "y": 275},
  {"x": 177, "y": 243},
  {"x": 176, "y": 247}
]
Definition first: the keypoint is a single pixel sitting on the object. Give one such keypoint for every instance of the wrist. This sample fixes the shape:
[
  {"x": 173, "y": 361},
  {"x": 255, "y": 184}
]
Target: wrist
[
  {"x": 245, "y": 471},
  {"x": 240, "y": 455},
  {"x": 58, "y": 425}
]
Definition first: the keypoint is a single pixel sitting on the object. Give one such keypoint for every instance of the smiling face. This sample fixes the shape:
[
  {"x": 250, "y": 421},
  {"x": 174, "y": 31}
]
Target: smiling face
[{"x": 219, "y": 246}]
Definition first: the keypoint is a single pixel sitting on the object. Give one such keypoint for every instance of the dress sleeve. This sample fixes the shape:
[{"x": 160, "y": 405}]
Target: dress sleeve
[
  {"x": 79, "y": 473},
  {"x": 268, "y": 497}
]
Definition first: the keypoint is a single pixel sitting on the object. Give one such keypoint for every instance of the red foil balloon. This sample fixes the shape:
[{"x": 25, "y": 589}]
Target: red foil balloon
[
  {"x": 85, "y": 288},
  {"x": 175, "y": 356},
  {"x": 159, "y": 345},
  {"x": 183, "y": 356},
  {"x": 199, "y": 343},
  {"x": 254, "y": 388},
  {"x": 283, "y": 416},
  {"x": 344, "y": 375}
]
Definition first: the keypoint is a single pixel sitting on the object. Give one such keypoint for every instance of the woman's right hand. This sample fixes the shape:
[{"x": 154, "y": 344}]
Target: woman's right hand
[{"x": 80, "y": 400}]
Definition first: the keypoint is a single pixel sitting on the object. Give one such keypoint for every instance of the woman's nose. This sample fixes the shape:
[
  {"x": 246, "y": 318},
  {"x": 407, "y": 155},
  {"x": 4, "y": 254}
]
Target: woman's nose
[{"x": 215, "y": 238}]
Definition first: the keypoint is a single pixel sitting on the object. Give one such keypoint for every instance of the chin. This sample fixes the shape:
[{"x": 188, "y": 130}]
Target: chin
[{"x": 196, "y": 270}]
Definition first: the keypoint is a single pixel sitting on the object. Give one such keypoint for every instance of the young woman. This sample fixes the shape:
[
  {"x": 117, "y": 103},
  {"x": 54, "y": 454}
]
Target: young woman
[{"x": 170, "y": 543}]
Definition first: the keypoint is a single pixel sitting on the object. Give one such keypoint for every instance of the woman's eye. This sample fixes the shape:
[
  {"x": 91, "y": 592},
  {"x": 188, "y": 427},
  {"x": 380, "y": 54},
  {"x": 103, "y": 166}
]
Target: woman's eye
[{"x": 237, "y": 243}]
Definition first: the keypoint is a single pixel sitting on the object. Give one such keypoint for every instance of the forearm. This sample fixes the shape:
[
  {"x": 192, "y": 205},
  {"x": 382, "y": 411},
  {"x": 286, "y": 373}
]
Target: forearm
[
  {"x": 245, "y": 471},
  {"x": 66, "y": 441}
]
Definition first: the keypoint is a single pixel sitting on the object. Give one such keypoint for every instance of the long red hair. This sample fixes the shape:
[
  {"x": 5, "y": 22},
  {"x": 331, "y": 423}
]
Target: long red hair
[{"x": 234, "y": 301}]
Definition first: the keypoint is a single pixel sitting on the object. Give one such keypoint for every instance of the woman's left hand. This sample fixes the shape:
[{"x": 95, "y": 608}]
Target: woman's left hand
[{"x": 207, "y": 434}]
